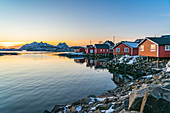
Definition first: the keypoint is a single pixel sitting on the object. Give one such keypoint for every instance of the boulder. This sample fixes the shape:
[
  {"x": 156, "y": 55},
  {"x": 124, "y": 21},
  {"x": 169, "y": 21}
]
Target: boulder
[
  {"x": 156, "y": 100},
  {"x": 57, "y": 108},
  {"x": 129, "y": 112},
  {"x": 106, "y": 101},
  {"x": 73, "y": 109},
  {"x": 103, "y": 107},
  {"x": 135, "y": 99},
  {"x": 97, "y": 111},
  {"x": 46, "y": 111},
  {"x": 117, "y": 110},
  {"x": 82, "y": 101}
]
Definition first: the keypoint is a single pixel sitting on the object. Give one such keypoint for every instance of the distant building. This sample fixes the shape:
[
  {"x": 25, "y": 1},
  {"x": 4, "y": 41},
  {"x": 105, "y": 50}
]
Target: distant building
[
  {"x": 79, "y": 49},
  {"x": 155, "y": 46},
  {"x": 138, "y": 40},
  {"x": 89, "y": 49},
  {"x": 126, "y": 48},
  {"x": 101, "y": 49},
  {"x": 111, "y": 45}
]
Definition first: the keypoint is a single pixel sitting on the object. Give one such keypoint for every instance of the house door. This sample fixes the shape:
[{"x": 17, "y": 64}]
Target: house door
[{"x": 91, "y": 51}]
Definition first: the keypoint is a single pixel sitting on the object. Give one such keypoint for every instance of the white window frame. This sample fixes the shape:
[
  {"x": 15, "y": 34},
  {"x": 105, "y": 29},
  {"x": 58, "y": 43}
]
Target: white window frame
[
  {"x": 117, "y": 50},
  {"x": 168, "y": 48},
  {"x": 127, "y": 49},
  {"x": 100, "y": 50},
  {"x": 153, "y": 49},
  {"x": 142, "y": 49},
  {"x": 103, "y": 50}
]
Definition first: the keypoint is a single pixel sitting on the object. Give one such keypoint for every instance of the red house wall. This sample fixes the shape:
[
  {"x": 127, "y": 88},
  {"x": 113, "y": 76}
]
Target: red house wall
[
  {"x": 88, "y": 50},
  {"x": 162, "y": 52},
  {"x": 135, "y": 51},
  {"x": 98, "y": 51},
  {"x": 122, "y": 46},
  {"x": 80, "y": 50}
]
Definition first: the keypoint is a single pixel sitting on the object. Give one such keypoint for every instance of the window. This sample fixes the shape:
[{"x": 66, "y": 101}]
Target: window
[
  {"x": 117, "y": 49},
  {"x": 100, "y": 50},
  {"x": 167, "y": 47},
  {"x": 153, "y": 47},
  {"x": 126, "y": 50},
  {"x": 107, "y": 50},
  {"x": 142, "y": 48},
  {"x": 103, "y": 50}
]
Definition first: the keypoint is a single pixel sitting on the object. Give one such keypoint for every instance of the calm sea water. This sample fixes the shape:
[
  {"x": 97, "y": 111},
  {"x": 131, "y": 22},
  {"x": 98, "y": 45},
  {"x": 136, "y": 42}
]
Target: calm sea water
[{"x": 32, "y": 83}]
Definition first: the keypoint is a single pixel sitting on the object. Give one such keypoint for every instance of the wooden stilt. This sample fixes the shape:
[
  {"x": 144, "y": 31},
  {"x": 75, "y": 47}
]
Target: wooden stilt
[{"x": 158, "y": 62}]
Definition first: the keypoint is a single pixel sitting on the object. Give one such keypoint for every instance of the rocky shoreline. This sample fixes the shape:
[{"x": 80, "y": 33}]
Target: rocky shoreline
[{"x": 148, "y": 94}]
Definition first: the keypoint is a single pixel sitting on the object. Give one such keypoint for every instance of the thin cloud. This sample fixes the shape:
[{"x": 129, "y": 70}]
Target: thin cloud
[{"x": 168, "y": 14}]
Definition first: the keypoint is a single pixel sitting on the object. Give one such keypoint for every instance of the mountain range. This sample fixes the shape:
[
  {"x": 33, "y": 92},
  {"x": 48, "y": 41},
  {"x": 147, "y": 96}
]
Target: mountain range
[{"x": 35, "y": 46}]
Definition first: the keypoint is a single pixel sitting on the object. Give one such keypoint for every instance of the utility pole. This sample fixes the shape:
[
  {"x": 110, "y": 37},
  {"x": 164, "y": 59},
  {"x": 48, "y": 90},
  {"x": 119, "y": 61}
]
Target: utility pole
[{"x": 114, "y": 39}]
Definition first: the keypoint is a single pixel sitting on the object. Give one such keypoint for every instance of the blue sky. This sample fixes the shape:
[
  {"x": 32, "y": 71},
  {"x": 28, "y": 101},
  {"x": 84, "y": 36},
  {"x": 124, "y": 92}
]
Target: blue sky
[{"x": 57, "y": 20}]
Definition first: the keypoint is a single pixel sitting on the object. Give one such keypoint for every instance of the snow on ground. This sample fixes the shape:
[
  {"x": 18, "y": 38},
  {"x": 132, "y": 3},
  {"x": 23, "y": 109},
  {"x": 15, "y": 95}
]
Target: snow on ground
[
  {"x": 168, "y": 67},
  {"x": 149, "y": 76},
  {"x": 101, "y": 99},
  {"x": 110, "y": 110},
  {"x": 78, "y": 108},
  {"x": 126, "y": 57}
]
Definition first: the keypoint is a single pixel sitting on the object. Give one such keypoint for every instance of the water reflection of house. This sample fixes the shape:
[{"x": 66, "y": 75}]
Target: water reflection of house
[
  {"x": 81, "y": 61},
  {"x": 100, "y": 64},
  {"x": 89, "y": 62}
]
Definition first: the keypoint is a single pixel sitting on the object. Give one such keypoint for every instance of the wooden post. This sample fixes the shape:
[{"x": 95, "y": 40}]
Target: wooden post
[
  {"x": 158, "y": 62},
  {"x": 147, "y": 58}
]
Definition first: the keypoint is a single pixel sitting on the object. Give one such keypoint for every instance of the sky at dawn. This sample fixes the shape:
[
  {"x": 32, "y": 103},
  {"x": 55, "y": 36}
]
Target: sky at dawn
[{"x": 76, "y": 22}]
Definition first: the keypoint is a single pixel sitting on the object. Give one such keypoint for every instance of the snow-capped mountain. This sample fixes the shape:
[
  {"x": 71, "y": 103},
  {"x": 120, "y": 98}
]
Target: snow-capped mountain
[
  {"x": 62, "y": 46},
  {"x": 35, "y": 46}
]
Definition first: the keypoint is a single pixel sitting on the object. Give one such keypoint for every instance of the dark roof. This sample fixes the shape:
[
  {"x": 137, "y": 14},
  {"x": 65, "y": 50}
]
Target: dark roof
[
  {"x": 89, "y": 46},
  {"x": 160, "y": 41},
  {"x": 130, "y": 44},
  {"x": 76, "y": 47},
  {"x": 105, "y": 46},
  {"x": 163, "y": 40},
  {"x": 165, "y": 36},
  {"x": 110, "y": 42},
  {"x": 138, "y": 40}
]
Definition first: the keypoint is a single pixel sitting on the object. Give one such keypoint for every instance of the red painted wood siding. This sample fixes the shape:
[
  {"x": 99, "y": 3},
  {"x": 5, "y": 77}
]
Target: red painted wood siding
[
  {"x": 135, "y": 51},
  {"x": 101, "y": 51},
  {"x": 162, "y": 52},
  {"x": 88, "y": 49},
  {"x": 147, "y": 49},
  {"x": 82, "y": 50},
  {"x": 122, "y": 46}
]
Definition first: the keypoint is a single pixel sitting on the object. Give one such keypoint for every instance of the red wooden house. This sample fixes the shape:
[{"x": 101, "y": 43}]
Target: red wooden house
[
  {"x": 155, "y": 46},
  {"x": 89, "y": 49},
  {"x": 128, "y": 48},
  {"x": 101, "y": 49},
  {"x": 79, "y": 49}
]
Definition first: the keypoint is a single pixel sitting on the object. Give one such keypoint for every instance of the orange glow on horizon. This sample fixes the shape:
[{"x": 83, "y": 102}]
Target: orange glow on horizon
[{"x": 17, "y": 45}]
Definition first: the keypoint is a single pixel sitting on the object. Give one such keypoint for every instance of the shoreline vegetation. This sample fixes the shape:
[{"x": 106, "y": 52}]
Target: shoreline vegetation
[{"x": 148, "y": 91}]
